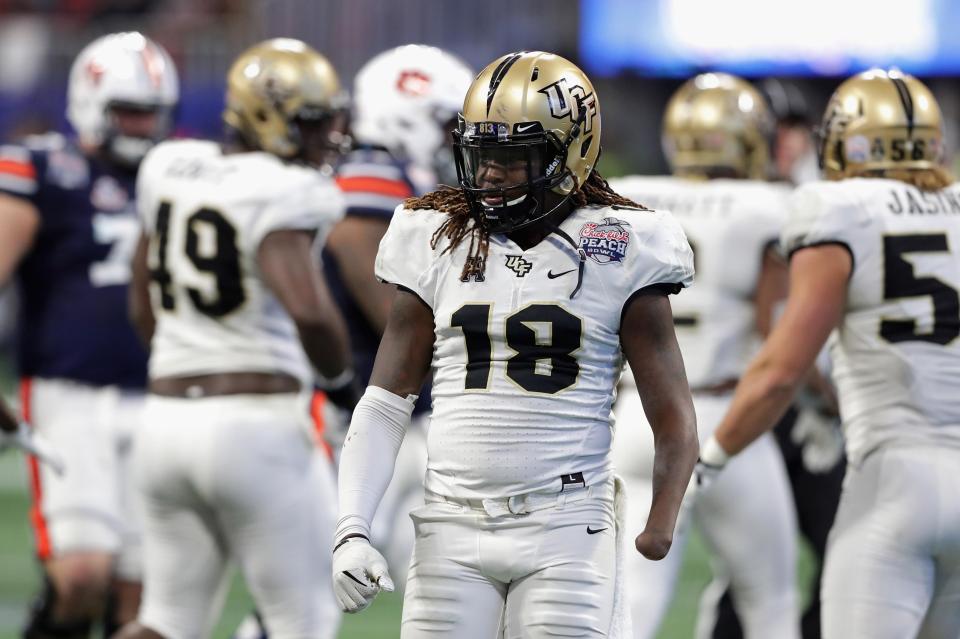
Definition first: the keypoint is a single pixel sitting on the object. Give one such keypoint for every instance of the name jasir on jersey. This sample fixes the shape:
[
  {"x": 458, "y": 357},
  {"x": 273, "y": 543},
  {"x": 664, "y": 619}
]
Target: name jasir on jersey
[{"x": 917, "y": 202}]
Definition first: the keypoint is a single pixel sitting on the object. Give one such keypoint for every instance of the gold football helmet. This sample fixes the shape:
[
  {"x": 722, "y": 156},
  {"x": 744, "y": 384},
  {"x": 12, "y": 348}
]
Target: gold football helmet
[
  {"x": 530, "y": 124},
  {"x": 880, "y": 120},
  {"x": 717, "y": 121},
  {"x": 276, "y": 86}
]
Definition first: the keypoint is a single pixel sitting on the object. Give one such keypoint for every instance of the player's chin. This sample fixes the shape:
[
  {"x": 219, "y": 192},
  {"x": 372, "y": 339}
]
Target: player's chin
[{"x": 653, "y": 546}]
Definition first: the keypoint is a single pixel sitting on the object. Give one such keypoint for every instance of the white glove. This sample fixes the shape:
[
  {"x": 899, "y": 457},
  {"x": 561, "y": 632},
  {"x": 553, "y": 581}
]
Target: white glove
[
  {"x": 359, "y": 574},
  {"x": 712, "y": 460},
  {"x": 820, "y": 440},
  {"x": 32, "y": 443}
]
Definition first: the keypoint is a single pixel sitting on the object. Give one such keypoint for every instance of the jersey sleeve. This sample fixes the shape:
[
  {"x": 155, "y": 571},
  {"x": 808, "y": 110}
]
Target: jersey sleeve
[
  {"x": 752, "y": 233},
  {"x": 20, "y": 171},
  {"x": 373, "y": 185},
  {"x": 663, "y": 257},
  {"x": 314, "y": 204},
  {"x": 820, "y": 213},
  {"x": 405, "y": 257}
]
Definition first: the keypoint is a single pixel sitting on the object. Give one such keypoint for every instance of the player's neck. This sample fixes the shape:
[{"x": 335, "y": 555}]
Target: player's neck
[{"x": 527, "y": 238}]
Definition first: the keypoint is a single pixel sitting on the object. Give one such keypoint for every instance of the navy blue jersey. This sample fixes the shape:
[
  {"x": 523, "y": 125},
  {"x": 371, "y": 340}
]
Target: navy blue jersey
[
  {"x": 73, "y": 281},
  {"x": 374, "y": 183}
]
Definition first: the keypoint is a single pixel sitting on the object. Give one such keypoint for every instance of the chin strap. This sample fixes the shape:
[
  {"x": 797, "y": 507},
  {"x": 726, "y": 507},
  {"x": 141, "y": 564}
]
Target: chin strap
[{"x": 581, "y": 254}]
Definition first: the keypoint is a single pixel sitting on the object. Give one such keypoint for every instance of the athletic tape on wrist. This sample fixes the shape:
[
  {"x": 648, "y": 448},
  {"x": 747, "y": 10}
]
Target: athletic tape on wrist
[{"x": 712, "y": 453}]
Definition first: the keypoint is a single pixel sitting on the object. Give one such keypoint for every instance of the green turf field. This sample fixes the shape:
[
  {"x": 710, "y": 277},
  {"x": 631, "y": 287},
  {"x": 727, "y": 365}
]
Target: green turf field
[{"x": 18, "y": 577}]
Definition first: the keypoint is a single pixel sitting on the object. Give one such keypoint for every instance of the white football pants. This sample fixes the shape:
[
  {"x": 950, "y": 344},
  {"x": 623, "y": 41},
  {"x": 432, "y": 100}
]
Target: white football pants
[
  {"x": 548, "y": 573},
  {"x": 893, "y": 558},
  {"x": 235, "y": 478},
  {"x": 747, "y": 518},
  {"x": 92, "y": 506}
]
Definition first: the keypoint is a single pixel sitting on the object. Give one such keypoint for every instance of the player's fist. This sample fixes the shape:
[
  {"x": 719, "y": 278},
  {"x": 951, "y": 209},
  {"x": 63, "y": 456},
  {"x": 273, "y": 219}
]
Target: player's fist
[
  {"x": 653, "y": 544},
  {"x": 359, "y": 574},
  {"x": 712, "y": 460},
  {"x": 703, "y": 476}
]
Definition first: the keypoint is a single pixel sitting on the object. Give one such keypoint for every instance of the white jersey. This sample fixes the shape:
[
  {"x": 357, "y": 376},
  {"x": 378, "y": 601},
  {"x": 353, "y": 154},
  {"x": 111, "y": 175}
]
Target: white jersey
[
  {"x": 729, "y": 223},
  {"x": 527, "y": 356},
  {"x": 206, "y": 213},
  {"x": 896, "y": 355}
]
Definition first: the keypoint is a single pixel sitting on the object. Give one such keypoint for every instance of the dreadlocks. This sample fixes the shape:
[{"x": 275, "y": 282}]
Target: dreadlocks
[{"x": 461, "y": 224}]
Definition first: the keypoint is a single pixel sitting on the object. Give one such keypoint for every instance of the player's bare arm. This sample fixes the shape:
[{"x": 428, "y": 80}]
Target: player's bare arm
[
  {"x": 818, "y": 287},
  {"x": 138, "y": 300},
  {"x": 771, "y": 289},
  {"x": 354, "y": 242},
  {"x": 288, "y": 266},
  {"x": 19, "y": 223},
  {"x": 403, "y": 360},
  {"x": 650, "y": 344}
]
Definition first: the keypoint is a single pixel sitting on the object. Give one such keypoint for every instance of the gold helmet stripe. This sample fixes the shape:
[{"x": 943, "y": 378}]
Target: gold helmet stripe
[
  {"x": 498, "y": 74},
  {"x": 907, "y": 100}
]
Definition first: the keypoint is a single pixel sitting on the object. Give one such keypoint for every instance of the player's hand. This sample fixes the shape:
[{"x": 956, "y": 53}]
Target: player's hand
[
  {"x": 819, "y": 438},
  {"x": 359, "y": 574},
  {"x": 703, "y": 476},
  {"x": 711, "y": 461},
  {"x": 32, "y": 443},
  {"x": 653, "y": 544}
]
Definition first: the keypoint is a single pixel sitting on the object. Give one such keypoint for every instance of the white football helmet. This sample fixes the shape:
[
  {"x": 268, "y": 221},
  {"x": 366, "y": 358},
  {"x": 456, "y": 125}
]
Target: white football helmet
[
  {"x": 402, "y": 100},
  {"x": 125, "y": 70}
]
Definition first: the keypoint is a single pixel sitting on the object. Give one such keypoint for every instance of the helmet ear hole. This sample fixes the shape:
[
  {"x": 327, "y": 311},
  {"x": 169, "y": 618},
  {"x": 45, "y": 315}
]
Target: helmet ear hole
[
  {"x": 261, "y": 115},
  {"x": 585, "y": 147}
]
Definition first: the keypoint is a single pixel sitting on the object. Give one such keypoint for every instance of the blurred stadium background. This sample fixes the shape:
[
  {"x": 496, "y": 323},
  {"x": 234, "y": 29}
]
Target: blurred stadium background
[{"x": 636, "y": 51}]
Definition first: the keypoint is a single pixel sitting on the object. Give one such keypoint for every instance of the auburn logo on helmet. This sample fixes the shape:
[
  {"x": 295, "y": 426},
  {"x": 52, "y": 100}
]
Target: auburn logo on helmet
[
  {"x": 413, "y": 82},
  {"x": 571, "y": 102}
]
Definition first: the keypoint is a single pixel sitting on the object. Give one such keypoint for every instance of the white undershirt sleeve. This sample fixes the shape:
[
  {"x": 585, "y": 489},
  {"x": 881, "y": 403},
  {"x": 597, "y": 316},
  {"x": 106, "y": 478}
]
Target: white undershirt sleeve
[{"x": 369, "y": 454}]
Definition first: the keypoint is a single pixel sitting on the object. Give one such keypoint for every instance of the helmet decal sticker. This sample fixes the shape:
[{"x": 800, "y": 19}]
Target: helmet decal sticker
[
  {"x": 413, "y": 82},
  {"x": 563, "y": 99},
  {"x": 498, "y": 74}
]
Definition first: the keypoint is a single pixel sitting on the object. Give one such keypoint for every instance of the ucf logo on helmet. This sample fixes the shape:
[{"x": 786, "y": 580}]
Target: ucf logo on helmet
[{"x": 573, "y": 102}]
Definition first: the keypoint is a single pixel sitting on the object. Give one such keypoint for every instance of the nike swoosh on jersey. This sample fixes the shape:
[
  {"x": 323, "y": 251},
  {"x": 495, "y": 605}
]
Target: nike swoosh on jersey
[
  {"x": 521, "y": 129},
  {"x": 594, "y": 531},
  {"x": 553, "y": 275}
]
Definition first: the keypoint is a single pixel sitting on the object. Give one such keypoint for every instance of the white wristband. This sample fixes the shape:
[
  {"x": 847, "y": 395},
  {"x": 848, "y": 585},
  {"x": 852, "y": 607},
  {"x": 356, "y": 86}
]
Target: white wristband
[
  {"x": 712, "y": 453},
  {"x": 333, "y": 383}
]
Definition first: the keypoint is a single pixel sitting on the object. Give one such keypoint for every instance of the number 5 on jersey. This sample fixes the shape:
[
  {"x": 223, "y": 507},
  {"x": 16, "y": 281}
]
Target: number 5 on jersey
[
  {"x": 223, "y": 263},
  {"x": 542, "y": 336}
]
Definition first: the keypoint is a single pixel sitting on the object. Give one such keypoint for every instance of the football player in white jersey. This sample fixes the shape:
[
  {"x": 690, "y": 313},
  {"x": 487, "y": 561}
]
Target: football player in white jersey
[
  {"x": 240, "y": 323},
  {"x": 525, "y": 289},
  {"x": 873, "y": 254},
  {"x": 716, "y": 133}
]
